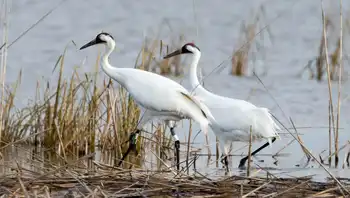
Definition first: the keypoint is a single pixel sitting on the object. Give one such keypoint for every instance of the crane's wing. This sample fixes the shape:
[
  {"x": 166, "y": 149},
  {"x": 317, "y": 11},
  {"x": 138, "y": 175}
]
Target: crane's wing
[
  {"x": 205, "y": 110},
  {"x": 240, "y": 121},
  {"x": 159, "y": 93}
]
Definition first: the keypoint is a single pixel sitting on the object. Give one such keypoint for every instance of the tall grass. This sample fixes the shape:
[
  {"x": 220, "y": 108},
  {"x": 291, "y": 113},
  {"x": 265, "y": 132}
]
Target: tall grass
[
  {"x": 3, "y": 63},
  {"x": 339, "y": 82},
  {"x": 317, "y": 66},
  {"x": 325, "y": 46},
  {"x": 321, "y": 65},
  {"x": 74, "y": 116},
  {"x": 249, "y": 29},
  {"x": 150, "y": 57},
  {"x": 334, "y": 71},
  {"x": 79, "y": 115}
]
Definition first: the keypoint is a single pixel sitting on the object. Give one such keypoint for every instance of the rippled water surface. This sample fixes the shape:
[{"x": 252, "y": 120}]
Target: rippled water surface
[{"x": 296, "y": 37}]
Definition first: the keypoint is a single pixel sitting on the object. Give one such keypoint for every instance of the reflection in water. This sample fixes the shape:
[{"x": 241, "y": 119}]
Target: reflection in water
[{"x": 40, "y": 161}]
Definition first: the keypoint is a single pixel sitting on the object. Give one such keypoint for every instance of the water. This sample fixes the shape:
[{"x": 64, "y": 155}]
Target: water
[{"x": 296, "y": 39}]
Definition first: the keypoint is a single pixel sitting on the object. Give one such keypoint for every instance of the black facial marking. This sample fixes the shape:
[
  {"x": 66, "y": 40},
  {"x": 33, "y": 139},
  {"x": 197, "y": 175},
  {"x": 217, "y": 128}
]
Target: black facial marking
[
  {"x": 184, "y": 48},
  {"x": 98, "y": 39}
]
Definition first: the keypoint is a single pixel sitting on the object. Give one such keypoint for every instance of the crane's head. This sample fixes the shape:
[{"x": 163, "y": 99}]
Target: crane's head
[
  {"x": 101, "y": 38},
  {"x": 188, "y": 48}
]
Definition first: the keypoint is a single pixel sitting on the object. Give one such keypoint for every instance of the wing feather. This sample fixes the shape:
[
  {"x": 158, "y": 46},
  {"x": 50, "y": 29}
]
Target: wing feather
[{"x": 196, "y": 103}]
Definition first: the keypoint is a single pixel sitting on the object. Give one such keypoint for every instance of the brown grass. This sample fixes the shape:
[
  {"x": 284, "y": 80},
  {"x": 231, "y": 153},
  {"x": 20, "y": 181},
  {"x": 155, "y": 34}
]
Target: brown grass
[
  {"x": 334, "y": 41},
  {"x": 107, "y": 182},
  {"x": 153, "y": 50},
  {"x": 248, "y": 31},
  {"x": 336, "y": 62},
  {"x": 75, "y": 118},
  {"x": 320, "y": 59}
]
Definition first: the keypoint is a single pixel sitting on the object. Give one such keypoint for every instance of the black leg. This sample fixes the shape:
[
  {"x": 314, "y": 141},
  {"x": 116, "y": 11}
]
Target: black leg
[
  {"x": 225, "y": 162},
  {"x": 132, "y": 145},
  {"x": 222, "y": 159},
  {"x": 177, "y": 148},
  {"x": 243, "y": 160}
]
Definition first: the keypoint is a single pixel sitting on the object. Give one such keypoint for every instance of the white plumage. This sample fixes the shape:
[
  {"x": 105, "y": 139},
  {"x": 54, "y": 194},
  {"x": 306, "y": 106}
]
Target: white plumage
[
  {"x": 162, "y": 97},
  {"x": 230, "y": 119}
]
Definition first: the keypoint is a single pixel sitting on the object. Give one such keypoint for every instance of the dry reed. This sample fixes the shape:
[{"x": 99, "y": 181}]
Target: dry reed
[
  {"x": 81, "y": 115},
  {"x": 329, "y": 78},
  {"x": 335, "y": 56},
  {"x": 137, "y": 182},
  {"x": 75, "y": 118},
  {"x": 336, "y": 138},
  {"x": 3, "y": 63},
  {"x": 150, "y": 57},
  {"x": 330, "y": 65},
  {"x": 249, "y": 30},
  {"x": 249, "y": 150}
]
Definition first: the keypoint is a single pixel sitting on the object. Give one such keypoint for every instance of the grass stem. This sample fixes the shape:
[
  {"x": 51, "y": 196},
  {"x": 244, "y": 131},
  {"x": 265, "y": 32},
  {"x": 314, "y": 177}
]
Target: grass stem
[
  {"x": 327, "y": 67},
  {"x": 336, "y": 138}
]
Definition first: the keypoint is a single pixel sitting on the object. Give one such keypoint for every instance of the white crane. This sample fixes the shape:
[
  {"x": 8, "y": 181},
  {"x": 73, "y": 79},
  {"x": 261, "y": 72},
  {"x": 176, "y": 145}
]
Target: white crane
[
  {"x": 232, "y": 118},
  {"x": 161, "y": 97}
]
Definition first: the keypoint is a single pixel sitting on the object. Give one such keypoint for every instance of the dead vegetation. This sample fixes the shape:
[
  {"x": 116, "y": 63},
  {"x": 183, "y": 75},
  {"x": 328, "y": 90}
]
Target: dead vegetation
[
  {"x": 248, "y": 46},
  {"x": 317, "y": 67},
  {"x": 110, "y": 182},
  {"x": 77, "y": 117},
  {"x": 337, "y": 65},
  {"x": 74, "y": 118},
  {"x": 150, "y": 57}
]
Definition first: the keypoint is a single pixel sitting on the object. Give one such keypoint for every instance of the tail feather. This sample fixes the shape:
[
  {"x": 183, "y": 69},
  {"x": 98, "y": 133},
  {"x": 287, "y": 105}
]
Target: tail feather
[
  {"x": 201, "y": 112},
  {"x": 265, "y": 122}
]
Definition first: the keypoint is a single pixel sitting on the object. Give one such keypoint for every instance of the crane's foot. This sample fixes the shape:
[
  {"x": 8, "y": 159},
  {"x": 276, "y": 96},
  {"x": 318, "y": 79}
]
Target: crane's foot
[
  {"x": 177, "y": 154},
  {"x": 242, "y": 163}
]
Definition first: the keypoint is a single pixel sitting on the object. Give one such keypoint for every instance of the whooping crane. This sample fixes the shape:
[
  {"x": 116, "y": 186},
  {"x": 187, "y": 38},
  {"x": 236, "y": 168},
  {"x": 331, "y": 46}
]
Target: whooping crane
[
  {"x": 161, "y": 97},
  {"x": 232, "y": 118}
]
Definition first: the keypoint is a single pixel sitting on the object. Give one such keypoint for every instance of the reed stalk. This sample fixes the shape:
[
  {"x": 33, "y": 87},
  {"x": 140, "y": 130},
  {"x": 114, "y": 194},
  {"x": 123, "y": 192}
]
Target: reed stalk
[
  {"x": 328, "y": 68},
  {"x": 249, "y": 150},
  {"x": 3, "y": 62},
  {"x": 314, "y": 158},
  {"x": 188, "y": 146},
  {"x": 336, "y": 138},
  {"x": 248, "y": 32},
  {"x": 329, "y": 134},
  {"x": 150, "y": 57}
]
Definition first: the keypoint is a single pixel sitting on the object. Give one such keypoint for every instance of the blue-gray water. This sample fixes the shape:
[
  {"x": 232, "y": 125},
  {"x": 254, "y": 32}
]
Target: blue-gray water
[{"x": 296, "y": 37}]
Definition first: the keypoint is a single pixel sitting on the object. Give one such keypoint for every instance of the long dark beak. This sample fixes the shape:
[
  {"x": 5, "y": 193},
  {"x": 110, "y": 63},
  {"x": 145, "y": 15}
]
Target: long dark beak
[
  {"x": 177, "y": 52},
  {"x": 93, "y": 42}
]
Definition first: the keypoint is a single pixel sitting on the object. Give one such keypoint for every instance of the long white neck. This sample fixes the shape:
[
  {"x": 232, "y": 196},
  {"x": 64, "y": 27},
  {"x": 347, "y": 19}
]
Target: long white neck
[
  {"x": 196, "y": 87},
  {"x": 111, "y": 71},
  {"x": 193, "y": 70}
]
